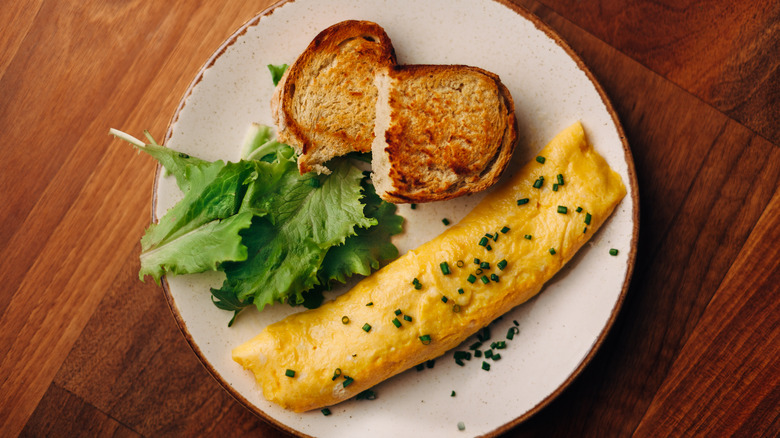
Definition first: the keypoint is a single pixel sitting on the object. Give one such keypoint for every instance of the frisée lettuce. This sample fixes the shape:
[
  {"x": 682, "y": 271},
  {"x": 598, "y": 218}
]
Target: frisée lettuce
[{"x": 274, "y": 232}]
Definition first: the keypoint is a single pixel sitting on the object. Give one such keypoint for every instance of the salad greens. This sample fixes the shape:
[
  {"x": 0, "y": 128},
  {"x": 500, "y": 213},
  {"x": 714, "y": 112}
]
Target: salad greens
[{"x": 279, "y": 236}]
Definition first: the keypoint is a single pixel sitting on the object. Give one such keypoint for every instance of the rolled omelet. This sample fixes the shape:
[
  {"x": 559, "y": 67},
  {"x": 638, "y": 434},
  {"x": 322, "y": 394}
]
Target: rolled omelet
[{"x": 432, "y": 298}]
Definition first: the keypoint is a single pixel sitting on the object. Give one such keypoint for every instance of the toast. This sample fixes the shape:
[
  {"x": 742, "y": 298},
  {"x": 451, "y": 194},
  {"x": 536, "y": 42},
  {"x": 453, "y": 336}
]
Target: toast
[
  {"x": 442, "y": 131},
  {"x": 324, "y": 103}
]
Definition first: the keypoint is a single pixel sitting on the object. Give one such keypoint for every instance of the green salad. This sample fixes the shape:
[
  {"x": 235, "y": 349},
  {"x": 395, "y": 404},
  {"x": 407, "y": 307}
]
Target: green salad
[{"x": 278, "y": 236}]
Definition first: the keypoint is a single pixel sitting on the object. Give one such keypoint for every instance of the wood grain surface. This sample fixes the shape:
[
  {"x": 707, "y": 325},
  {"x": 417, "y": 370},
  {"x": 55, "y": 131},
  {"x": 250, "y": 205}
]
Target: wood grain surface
[{"x": 86, "y": 349}]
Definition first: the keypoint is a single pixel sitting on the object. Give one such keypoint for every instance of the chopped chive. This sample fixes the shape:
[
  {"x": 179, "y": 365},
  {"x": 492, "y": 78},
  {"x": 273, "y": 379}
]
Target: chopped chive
[
  {"x": 366, "y": 327},
  {"x": 345, "y": 319},
  {"x": 552, "y": 251},
  {"x": 417, "y": 284},
  {"x": 488, "y": 354},
  {"x": 445, "y": 268},
  {"x": 425, "y": 339},
  {"x": 413, "y": 206},
  {"x": 499, "y": 345},
  {"x": 476, "y": 261},
  {"x": 484, "y": 279},
  {"x": 510, "y": 334},
  {"x": 407, "y": 318},
  {"x": 477, "y": 353},
  {"x": 488, "y": 235},
  {"x": 397, "y": 311},
  {"x": 587, "y": 218},
  {"x": 430, "y": 363},
  {"x": 613, "y": 252},
  {"x": 560, "y": 179},
  {"x": 501, "y": 265},
  {"x": 452, "y": 394},
  {"x": 456, "y": 308},
  {"x": 562, "y": 209},
  {"x": 462, "y": 355},
  {"x": 459, "y": 263},
  {"x": 523, "y": 201},
  {"x": 555, "y": 187},
  {"x": 579, "y": 210},
  {"x": 484, "y": 334},
  {"x": 445, "y": 221},
  {"x": 461, "y": 425},
  {"x": 515, "y": 322},
  {"x": 419, "y": 367},
  {"x": 540, "y": 159},
  {"x": 369, "y": 304},
  {"x": 347, "y": 381},
  {"x": 584, "y": 230},
  {"x": 460, "y": 362},
  {"x": 461, "y": 291},
  {"x": 538, "y": 183},
  {"x": 527, "y": 236},
  {"x": 494, "y": 277},
  {"x": 505, "y": 230},
  {"x": 325, "y": 411},
  {"x": 485, "y": 365},
  {"x": 471, "y": 278},
  {"x": 496, "y": 356},
  {"x": 336, "y": 374},
  {"x": 475, "y": 345},
  {"x": 396, "y": 322},
  {"x": 289, "y": 373},
  {"x": 484, "y": 265},
  {"x": 483, "y": 241},
  {"x": 488, "y": 247},
  {"x": 314, "y": 182},
  {"x": 495, "y": 237},
  {"x": 443, "y": 299},
  {"x": 368, "y": 394}
]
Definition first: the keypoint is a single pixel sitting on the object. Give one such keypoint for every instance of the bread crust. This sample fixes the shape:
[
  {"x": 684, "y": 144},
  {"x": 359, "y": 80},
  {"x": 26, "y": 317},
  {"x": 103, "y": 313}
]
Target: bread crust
[
  {"x": 324, "y": 104},
  {"x": 452, "y": 131}
]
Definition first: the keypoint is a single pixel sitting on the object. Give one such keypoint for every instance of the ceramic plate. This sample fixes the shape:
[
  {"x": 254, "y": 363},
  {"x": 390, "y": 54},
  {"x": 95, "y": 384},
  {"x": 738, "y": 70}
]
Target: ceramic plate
[{"x": 559, "y": 330}]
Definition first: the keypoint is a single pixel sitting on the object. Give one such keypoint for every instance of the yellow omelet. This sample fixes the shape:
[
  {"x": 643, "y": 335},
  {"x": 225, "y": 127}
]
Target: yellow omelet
[{"x": 431, "y": 299}]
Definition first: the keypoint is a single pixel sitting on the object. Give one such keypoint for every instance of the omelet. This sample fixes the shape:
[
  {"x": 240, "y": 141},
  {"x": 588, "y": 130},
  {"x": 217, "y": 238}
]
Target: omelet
[{"x": 432, "y": 298}]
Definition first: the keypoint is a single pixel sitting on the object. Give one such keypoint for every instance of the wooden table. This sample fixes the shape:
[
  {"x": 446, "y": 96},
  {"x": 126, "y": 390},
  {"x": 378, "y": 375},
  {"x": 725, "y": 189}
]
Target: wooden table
[{"x": 88, "y": 349}]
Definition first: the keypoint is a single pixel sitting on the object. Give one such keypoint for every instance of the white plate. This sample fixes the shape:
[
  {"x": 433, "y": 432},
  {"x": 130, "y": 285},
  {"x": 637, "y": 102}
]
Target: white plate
[{"x": 559, "y": 330}]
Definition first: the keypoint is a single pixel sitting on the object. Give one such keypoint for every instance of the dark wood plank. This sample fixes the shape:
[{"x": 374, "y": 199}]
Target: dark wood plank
[
  {"x": 726, "y": 380},
  {"x": 724, "y": 51},
  {"x": 132, "y": 362},
  {"x": 62, "y": 414}
]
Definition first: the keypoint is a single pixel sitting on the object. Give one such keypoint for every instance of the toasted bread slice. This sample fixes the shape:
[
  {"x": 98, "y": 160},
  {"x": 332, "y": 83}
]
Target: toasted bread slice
[
  {"x": 324, "y": 104},
  {"x": 442, "y": 131}
]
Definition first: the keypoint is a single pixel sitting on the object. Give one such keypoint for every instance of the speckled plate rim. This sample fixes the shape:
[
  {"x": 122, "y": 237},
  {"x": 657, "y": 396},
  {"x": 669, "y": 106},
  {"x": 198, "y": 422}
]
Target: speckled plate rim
[{"x": 632, "y": 182}]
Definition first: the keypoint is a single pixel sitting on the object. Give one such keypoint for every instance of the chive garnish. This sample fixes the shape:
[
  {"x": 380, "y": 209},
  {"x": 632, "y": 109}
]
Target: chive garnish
[
  {"x": 523, "y": 201},
  {"x": 336, "y": 374},
  {"x": 445, "y": 268},
  {"x": 477, "y": 353},
  {"x": 366, "y": 327},
  {"x": 369, "y": 304},
  {"x": 425, "y": 339},
  {"x": 562, "y": 209},
  {"x": 396, "y": 322},
  {"x": 475, "y": 345},
  {"x": 484, "y": 265},
  {"x": 347, "y": 381},
  {"x": 397, "y": 312},
  {"x": 445, "y": 221},
  {"x": 527, "y": 236},
  {"x": 430, "y": 363},
  {"x": 325, "y": 411},
  {"x": 484, "y": 334},
  {"x": 488, "y": 354},
  {"x": 345, "y": 319},
  {"x": 444, "y": 299},
  {"x": 459, "y": 263},
  {"x": 314, "y": 182},
  {"x": 505, "y": 230},
  {"x": 584, "y": 230},
  {"x": 540, "y": 159},
  {"x": 461, "y": 425},
  {"x": 289, "y": 373},
  {"x": 560, "y": 179},
  {"x": 587, "y": 218},
  {"x": 501, "y": 265},
  {"x": 484, "y": 279},
  {"x": 488, "y": 235},
  {"x": 476, "y": 261},
  {"x": 471, "y": 278},
  {"x": 461, "y": 291},
  {"x": 552, "y": 251},
  {"x": 483, "y": 241},
  {"x": 417, "y": 284},
  {"x": 538, "y": 183},
  {"x": 413, "y": 206},
  {"x": 555, "y": 187},
  {"x": 452, "y": 394},
  {"x": 494, "y": 277},
  {"x": 579, "y": 209},
  {"x": 498, "y": 345},
  {"x": 496, "y": 356},
  {"x": 407, "y": 318},
  {"x": 613, "y": 252},
  {"x": 488, "y": 247},
  {"x": 485, "y": 365},
  {"x": 456, "y": 308},
  {"x": 510, "y": 334},
  {"x": 460, "y": 362}
]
